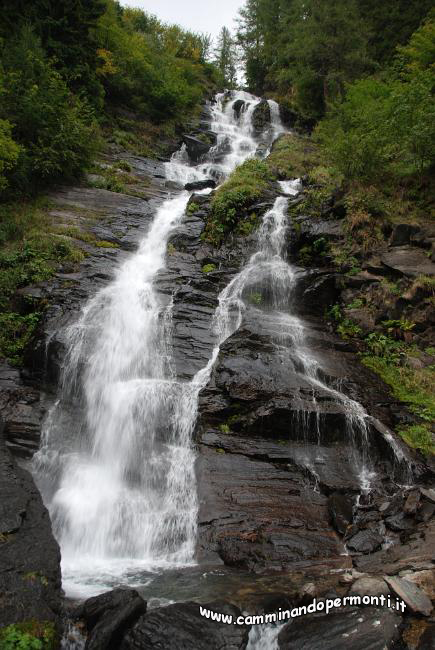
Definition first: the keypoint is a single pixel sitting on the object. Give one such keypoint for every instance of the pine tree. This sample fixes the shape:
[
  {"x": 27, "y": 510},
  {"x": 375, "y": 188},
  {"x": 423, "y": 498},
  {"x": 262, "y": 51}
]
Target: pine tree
[{"x": 226, "y": 58}]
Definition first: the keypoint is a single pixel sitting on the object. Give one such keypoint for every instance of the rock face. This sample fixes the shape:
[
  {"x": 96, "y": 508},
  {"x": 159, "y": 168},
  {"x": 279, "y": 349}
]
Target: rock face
[
  {"x": 109, "y": 616},
  {"x": 181, "y": 627},
  {"x": 261, "y": 117},
  {"x": 196, "y": 147},
  {"x": 359, "y": 629},
  {"x": 416, "y": 600},
  {"x": 30, "y": 584}
]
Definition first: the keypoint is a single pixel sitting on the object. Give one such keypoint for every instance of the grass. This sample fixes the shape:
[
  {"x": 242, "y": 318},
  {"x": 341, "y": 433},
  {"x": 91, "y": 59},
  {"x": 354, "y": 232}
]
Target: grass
[{"x": 419, "y": 436}]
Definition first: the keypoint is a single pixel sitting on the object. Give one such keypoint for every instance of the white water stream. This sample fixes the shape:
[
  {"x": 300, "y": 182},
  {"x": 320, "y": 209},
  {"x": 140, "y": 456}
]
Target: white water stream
[{"x": 121, "y": 487}]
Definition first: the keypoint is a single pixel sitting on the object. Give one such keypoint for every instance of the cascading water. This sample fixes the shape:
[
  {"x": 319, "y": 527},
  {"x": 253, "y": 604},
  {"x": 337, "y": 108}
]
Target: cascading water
[{"x": 118, "y": 477}]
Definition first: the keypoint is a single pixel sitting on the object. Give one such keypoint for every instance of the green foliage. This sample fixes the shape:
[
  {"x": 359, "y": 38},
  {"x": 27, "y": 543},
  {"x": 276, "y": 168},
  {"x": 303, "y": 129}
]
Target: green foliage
[
  {"x": 413, "y": 387},
  {"x": 106, "y": 244},
  {"x": 347, "y": 329},
  {"x": 419, "y": 436},
  {"x": 255, "y": 298},
  {"x": 292, "y": 157},
  {"x": 208, "y": 268},
  {"x": 9, "y": 152},
  {"x": 29, "y": 635},
  {"x": 54, "y": 130},
  {"x": 224, "y": 428},
  {"x": 226, "y": 58},
  {"x": 232, "y": 199},
  {"x": 16, "y": 332},
  {"x": 192, "y": 208},
  {"x": 382, "y": 126}
]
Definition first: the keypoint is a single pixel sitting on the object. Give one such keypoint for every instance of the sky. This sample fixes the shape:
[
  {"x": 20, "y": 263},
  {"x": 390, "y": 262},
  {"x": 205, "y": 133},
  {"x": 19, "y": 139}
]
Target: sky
[{"x": 207, "y": 16}]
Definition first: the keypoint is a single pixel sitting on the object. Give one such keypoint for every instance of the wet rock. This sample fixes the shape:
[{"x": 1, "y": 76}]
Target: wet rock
[
  {"x": 340, "y": 508},
  {"x": 239, "y": 107},
  {"x": 399, "y": 523},
  {"x": 415, "y": 598},
  {"x": 261, "y": 116},
  {"x": 366, "y": 541},
  {"x": 429, "y": 494},
  {"x": 359, "y": 629},
  {"x": 364, "y": 318},
  {"x": 411, "y": 503},
  {"x": 425, "y": 512},
  {"x": 109, "y": 616},
  {"x": 200, "y": 185},
  {"x": 181, "y": 626},
  {"x": 30, "y": 584},
  {"x": 408, "y": 261},
  {"x": 196, "y": 147},
  {"x": 369, "y": 587},
  {"x": 173, "y": 185}
]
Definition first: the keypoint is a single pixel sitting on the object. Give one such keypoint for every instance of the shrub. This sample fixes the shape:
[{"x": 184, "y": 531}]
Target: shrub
[
  {"x": 54, "y": 129},
  {"x": 9, "y": 152}
]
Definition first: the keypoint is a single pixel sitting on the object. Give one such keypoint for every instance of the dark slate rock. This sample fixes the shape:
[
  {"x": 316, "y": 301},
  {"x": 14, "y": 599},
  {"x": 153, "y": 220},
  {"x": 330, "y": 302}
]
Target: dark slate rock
[
  {"x": 340, "y": 508},
  {"x": 180, "y": 627},
  {"x": 196, "y": 147},
  {"x": 238, "y": 106},
  {"x": 30, "y": 584},
  {"x": 408, "y": 261},
  {"x": 200, "y": 185},
  {"x": 415, "y": 598},
  {"x": 110, "y": 615},
  {"x": 366, "y": 541},
  {"x": 360, "y": 629},
  {"x": 261, "y": 116}
]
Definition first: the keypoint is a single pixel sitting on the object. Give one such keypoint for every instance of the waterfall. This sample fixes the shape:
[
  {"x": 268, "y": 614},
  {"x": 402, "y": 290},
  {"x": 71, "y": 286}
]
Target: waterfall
[{"x": 116, "y": 465}]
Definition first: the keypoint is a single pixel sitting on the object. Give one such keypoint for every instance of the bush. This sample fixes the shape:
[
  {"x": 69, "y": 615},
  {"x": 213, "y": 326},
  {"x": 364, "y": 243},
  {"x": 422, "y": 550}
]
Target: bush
[
  {"x": 9, "y": 152},
  {"x": 54, "y": 129}
]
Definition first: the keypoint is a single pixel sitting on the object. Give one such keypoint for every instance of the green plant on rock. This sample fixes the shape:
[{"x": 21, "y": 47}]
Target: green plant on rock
[
  {"x": 29, "y": 635},
  {"x": 106, "y": 244},
  {"x": 419, "y": 436},
  {"x": 255, "y": 298},
  {"x": 224, "y": 428},
  {"x": 208, "y": 268},
  {"x": 357, "y": 303},
  {"x": 192, "y": 208},
  {"x": 347, "y": 329}
]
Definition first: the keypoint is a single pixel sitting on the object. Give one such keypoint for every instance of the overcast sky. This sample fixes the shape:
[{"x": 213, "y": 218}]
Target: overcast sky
[{"x": 207, "y": 16}]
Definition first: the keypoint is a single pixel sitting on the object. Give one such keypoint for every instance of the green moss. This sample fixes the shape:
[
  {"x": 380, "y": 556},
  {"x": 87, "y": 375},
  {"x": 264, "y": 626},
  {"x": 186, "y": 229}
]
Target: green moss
[
  {"x": 106, "y": 244},
  {"x": 76, "y": 233},
  {"x": 419, "y": 436},
  {"x": 16, "y": 332},
  {"x": 171, "y": 249},
  {"x": 208, "y": 268},
  {"x": 255, "y": 298},
  {"x": 29, "y": 635},
  {"x": 224, "y": 428},
  {"x": 411, "y": 386},
  {"x": 192, "y": 208},
  {"x": 35, "y": 576},
  {"x": 232, "y": 200}
]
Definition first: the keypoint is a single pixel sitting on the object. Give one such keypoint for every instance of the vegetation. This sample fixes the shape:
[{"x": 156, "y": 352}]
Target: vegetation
[
  {"x": 67, "y": 68},
  {"x": 30, "y": 635},
  {"x": 232, "y": 201}
]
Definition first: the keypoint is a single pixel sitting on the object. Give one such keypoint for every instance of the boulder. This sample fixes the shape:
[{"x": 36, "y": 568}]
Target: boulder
[
  {"x": 415, "y": 598},
  {"x": 196, "y": 147},
  {"x": 181, "y": 627},
  {"x": 369, "y": 587},
  {"x": 402, "y": 234},
  {"x": 239, "y": 107},
  {"x": 200, "y": 185},
  {"x": 412, "y": 501},
  {"x": 109, "y": 616},
  {"x": 408, "y": 261},
  {"x": 261, "y": 116},
  {"x": 366, "y": 541}
]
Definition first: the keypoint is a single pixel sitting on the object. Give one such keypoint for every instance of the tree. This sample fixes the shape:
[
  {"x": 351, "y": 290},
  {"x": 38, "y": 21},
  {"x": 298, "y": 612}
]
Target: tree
[
  {"x": 226, "y": 58},
  {"x": 326, "y": 48},
  {"x": 391, "y": 23}
]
